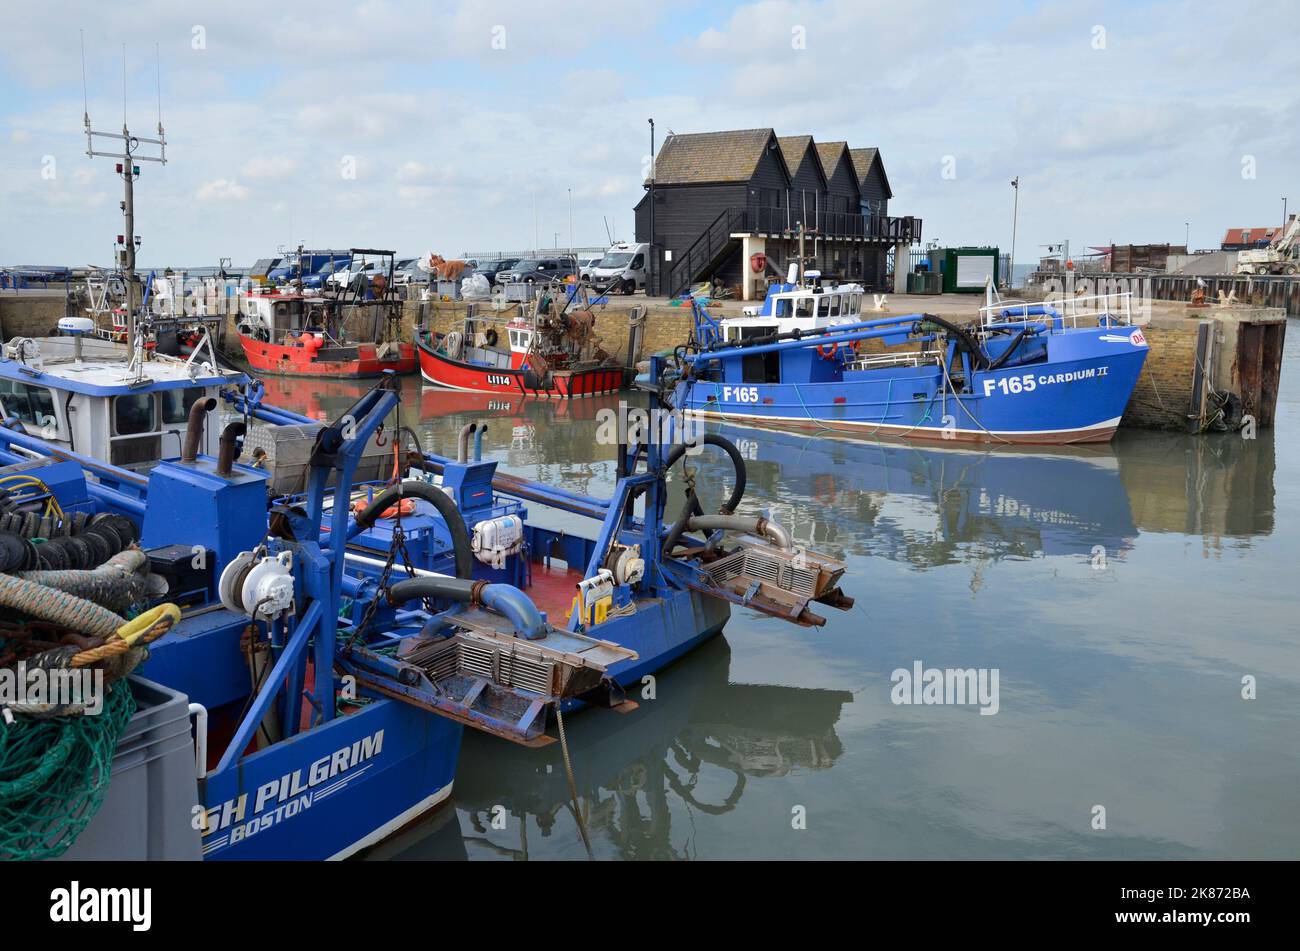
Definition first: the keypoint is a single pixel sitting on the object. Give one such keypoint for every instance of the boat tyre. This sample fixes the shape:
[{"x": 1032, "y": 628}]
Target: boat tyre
[{"x": 491, "y": 336}]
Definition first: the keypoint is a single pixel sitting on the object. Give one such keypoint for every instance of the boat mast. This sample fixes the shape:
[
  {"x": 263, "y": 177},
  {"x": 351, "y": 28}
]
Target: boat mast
[{"x": 128, "y": 170}]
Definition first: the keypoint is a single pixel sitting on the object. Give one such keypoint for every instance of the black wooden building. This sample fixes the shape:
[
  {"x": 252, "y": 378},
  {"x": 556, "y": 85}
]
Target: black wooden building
[{"x": 719, "y": 196}]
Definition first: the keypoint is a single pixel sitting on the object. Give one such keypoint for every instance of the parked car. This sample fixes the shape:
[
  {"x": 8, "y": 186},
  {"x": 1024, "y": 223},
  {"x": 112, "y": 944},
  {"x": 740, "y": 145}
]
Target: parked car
[
  {"x": 585, "y": 264},
  {"x": 323, "y": 273},
  {"x": 532, "y": 270},
  {"x": 408, "y": 271},
  {"x": 297, "y": 265},
  {"x": 492, "y": 270},
  {"x": 344, "y": 276}
]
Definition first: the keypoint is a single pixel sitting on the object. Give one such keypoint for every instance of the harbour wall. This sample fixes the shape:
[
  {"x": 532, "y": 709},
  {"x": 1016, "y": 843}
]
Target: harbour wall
[
  {"x": 1245, "y": 341},
  {"x": 29, "y": 314}
]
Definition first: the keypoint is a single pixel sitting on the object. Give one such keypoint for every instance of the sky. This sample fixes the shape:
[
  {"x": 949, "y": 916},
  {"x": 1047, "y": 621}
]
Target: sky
[{"x": 461, "y": 127}]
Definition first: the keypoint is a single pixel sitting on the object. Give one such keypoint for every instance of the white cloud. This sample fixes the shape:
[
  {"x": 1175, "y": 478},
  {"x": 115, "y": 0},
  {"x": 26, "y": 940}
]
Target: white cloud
[
  {"x": 269, "y": 168},
  {"x": 221, "y": 189}
]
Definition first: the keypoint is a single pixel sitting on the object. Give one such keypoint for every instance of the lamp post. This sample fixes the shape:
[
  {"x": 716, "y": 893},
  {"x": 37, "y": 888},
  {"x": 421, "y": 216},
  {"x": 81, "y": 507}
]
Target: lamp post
[
  {"x": 1187, "y": 237},
  {"x": 654, "y": 257},
  {"x": 1015, "y": 218}
]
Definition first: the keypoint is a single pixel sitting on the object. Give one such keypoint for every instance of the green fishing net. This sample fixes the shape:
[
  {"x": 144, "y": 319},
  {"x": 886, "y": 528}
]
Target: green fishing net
[{"x": 54, "y": 772}]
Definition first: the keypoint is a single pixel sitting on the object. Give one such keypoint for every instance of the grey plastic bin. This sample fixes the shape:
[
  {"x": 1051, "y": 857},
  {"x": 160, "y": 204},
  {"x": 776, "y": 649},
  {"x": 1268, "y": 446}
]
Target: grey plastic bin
[{"x": 148, "y": 809}]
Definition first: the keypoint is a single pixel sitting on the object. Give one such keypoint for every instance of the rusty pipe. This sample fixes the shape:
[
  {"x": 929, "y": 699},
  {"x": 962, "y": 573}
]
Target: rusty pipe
[
  {"x": 228, "y": 450},
  {"x": 462, "y": 442},
  {"x": 194, "y": 428}
]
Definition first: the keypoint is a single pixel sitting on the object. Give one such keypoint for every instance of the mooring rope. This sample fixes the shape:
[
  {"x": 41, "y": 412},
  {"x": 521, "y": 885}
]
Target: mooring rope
[{"x": 573, "y": 785}]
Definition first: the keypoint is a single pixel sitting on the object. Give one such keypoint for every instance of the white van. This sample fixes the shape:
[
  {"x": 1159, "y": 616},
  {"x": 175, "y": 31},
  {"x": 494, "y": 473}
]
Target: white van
[{"x": 624, "y": 267}]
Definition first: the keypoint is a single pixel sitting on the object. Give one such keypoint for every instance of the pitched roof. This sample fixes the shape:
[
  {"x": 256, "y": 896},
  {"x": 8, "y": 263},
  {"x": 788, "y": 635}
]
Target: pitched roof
[
  {"x": 793, "y": 149},
  {"x": 1257, "y": 235},
  {"x": 863, "y": 159},
  {"x": 829, "y": 153},
  {"x": 708, "y": 157}
]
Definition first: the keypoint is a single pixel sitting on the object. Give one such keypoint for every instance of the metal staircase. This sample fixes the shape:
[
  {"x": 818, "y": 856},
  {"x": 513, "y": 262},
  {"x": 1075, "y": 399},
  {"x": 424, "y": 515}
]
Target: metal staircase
[{"x": 708, "y": 251}]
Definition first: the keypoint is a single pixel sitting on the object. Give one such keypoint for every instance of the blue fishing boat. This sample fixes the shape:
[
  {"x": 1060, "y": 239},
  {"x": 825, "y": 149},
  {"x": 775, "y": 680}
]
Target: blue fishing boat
[
  {"x": 1024, "y": 373},
  {"x": 337, "y": 634}
]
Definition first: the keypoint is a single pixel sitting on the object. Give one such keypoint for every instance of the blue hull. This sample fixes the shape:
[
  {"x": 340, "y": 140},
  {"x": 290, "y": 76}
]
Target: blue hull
[
  {"x": 1078, "y": 394},
  {"x": 333, "y": 790}
]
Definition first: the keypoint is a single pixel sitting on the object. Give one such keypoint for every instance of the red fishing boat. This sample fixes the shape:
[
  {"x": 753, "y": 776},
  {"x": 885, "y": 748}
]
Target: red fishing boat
[
  {"x": 554, "y": 352},
  {"x": 349, "y": 329}
]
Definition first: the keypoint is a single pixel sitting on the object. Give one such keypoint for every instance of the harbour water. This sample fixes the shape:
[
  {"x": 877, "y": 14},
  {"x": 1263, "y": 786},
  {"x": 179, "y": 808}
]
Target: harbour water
[{"x": 1125, "y": 596}]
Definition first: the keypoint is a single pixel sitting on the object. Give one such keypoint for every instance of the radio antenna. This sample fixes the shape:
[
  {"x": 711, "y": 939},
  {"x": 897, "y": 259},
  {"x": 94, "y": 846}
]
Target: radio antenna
[
  {"x": 85, "y": 95},
  {"x": 129, "y": 156},
  {"x": 157, "y": 62}
]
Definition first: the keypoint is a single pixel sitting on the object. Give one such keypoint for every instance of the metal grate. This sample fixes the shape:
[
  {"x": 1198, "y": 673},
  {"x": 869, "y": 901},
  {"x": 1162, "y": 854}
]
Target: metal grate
[
  {"x": 772, "y": 567},
  {"x": 462, "y": 655}
]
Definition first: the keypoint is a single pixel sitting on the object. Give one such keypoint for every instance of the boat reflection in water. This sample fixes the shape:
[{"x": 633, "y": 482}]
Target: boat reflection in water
[
  {"x": 643, "y": 777},
  {"x": 931, "y": 506}
]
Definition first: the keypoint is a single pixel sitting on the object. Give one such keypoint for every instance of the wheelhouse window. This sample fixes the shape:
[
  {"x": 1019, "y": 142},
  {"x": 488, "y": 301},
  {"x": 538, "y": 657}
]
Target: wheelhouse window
[
  {"x": 804, "y": 307},
  {"x": 133, "y": 413},
  {"x": 176, "y": 404},
  {"x": 824, "y": 306},
  {"x": 835, "y": 304},
  {"x": 33, "y": 405}
]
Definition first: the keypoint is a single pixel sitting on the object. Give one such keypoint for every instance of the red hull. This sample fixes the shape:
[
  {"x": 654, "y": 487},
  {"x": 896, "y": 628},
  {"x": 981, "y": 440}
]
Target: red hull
[
  {"x": 348, "y": 363},
  {"x": 564, "y": 384}
]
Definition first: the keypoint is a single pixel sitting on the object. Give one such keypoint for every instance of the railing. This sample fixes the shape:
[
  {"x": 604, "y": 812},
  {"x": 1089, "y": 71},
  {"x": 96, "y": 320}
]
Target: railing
[
  {"x": 1116, "y": 308},
  {"x": 833, "y": 224},
  {"x": 755, "y": 219}
]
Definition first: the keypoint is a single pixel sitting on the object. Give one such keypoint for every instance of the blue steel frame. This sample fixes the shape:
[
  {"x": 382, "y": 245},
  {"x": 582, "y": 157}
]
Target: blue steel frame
[{"x": 318, "y": 571}]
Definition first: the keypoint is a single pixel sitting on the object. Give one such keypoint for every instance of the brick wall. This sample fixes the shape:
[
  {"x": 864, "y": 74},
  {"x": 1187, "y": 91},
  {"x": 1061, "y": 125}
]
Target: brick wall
[
  {"x": 22, "y": 316},
  {"x": 666, "y": 327},
  {"x": 1163, "y": 395}
]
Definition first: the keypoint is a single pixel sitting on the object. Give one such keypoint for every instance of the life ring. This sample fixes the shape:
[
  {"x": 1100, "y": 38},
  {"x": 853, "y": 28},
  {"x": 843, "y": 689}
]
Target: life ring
[
  {"x": 405, "y": 507},
  {"x": 491, "y": 337},
  {"x": 826, "y": 353}
]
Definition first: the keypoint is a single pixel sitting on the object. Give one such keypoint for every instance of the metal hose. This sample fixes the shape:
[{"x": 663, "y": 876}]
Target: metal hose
[
  {"x": 743, "y": 523},
  {"x": 737, "y": 464},
  {"x": 503, "y": 599},
  {"x": 689, "y": 509},
  {"x": 440, "y": 501}
]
